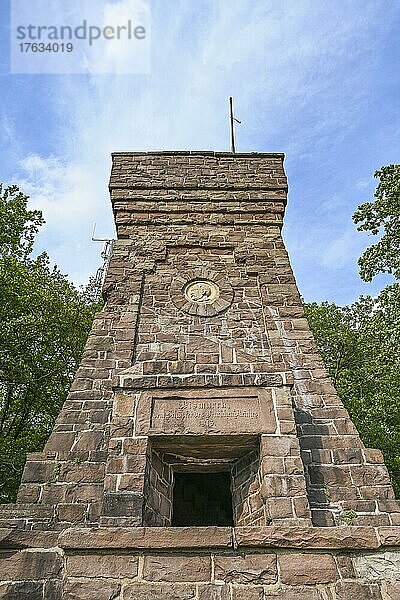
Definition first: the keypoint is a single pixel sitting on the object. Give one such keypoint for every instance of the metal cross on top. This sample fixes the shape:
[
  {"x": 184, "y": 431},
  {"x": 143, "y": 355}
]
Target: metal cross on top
[{"x": 232, "y": 118}]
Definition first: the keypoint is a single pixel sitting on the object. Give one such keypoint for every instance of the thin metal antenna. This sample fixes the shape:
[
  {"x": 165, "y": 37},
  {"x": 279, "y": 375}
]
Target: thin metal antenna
[
  {"x": 98, "y": 239},
  {"x": 232, "y": 119},
  {"x": 105, "y": 255}
]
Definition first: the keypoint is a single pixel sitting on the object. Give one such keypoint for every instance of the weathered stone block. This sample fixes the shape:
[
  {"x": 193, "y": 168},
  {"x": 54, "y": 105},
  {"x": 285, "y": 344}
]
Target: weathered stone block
[
  {"x": 345, "y": 566},
  {"x": 279, "y": 508},
  {"x": 282, "y": 486},
  {"x": 301, "y": 593},
  {"x": 38, "y": 471},
  {"x": 60, "y": 441},
  {"x": 382, "y": 565},
  {"x": 122, "y": 503},
  {"x": 73, "y": 513},
  {"x": 89, "y": 440},
  {"x": 177, "y": 568},
  {"x": 100, "y": 589},
  {"x": 374, "y": 492},
  {"x": 307, "y": 569},
  {"x": 102, "y": 565},
  {"x": 354, "y": 590},
  {"x": 390, "y": 506},
  {"x": 391, "y": 590},
  {"x": 348, "y": 455},
  {"x": 53, "y": 590},
  {"x": 370, "y": 475},
  {"x": 151, "y": 591},
  {"x": 279, "y": 446},
  {"x": 330, "y": 475},
  {"x": 17, "y": 539},
  {"x": 247, "y": 592},
  {"x": 123, "y": 404},
  {"x": 28, "y": 590},
  {"x": 146, "y": 538},
  {"x": 309, "y": 537},
  {"x": 372, "y": 455},
  {"x": 34, "y": 565},
  {"x": 389, "y": 536},
  {"x": 214, "y": 592},
  {"x": 100, "y": 343},
  {"x": 87, "y": 472},
  {"x": 85, "y": 492},
  {"x": 130, "y": 482},
  {"x": 250, "y": 568}
]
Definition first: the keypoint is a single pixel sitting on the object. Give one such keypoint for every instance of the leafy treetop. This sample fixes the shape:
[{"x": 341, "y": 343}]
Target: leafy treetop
[
  {"x": 44, "y": 323},
  {"x": 382, "y": 216}
]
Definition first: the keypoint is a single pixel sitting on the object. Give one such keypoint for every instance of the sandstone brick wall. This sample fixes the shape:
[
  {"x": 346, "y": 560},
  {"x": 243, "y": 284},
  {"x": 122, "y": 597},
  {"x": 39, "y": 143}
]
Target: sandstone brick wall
[
  {"x": 248, "y": 505},
  {"x": 182, "y": 215},
  {"x": 158, "y": 492},
  {"x": 238, "y": 382},
  {"x": 233, "y": 576},
  {"x": 207, "y": 563}
]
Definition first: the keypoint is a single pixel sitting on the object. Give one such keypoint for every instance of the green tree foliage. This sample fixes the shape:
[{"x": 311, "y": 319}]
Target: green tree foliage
[
  {"x": 44, "y": 323},
  {"x": 382, "y": 216},
  {"x": 361, "y": 343},
  {"x": 360, "y": 347}
]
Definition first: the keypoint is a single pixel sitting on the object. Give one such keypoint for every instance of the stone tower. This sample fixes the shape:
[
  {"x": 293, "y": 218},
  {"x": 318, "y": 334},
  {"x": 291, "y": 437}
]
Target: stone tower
[{"x": 203, "y": 451}]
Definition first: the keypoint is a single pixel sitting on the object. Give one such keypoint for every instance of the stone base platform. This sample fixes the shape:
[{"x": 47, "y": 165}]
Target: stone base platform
[{"x": 201, "y": 563}]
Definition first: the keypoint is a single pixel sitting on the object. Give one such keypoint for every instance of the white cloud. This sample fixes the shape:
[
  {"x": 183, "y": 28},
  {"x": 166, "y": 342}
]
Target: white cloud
[
  {"x": 71, "y": 199},
  {"x": 340, "y": 251},
  {"x": 364, "y": 184},
  {"x": 122, "y": 55}
]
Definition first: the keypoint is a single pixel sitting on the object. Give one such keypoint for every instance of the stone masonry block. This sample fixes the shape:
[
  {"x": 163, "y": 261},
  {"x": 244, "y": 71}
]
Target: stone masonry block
[
  {"x": 383, "y": 565},
  {"x": 99, "y": 589},
  {"x": 307, "y": 569},
  {"x": 246, "y": 569},
  {"x": 299, "y": 593},
  {"x": 53, "y": 590},
  {"x": 27, "y": 590},
  {"x": 354, "y": 590},
  {"x": 247, "y": 592},
  {"x": 94, "y": 566},
  {"x": 330, "y": 475},
  {"x": 345, "y": 566},
  {"x": 25, "y": 565},
  {"x": 370, "y": 475},
  {"x": 214, "y": 592},
  {"x": 38, "y": 471},
  {"x": 156, "y": 591},
  {"x": 279, "y": 446},
  {"x": 72, "y": 512},
  {"x": 391, "y": 590},
  {"x": 123, "y": 405},
  {"x": 279, "y": 508},
  {"x": 60, "y": 441},
  {"x": 118, "y": 504},
  {"x": 373, "y": 455},
  {"x": 177, "y": 568},
  {"x": 29, "y": 493},
  {"x": 89, "y": 440}
]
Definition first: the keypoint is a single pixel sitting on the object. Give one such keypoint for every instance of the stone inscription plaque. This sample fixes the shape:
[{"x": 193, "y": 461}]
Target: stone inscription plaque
[{"x": 210, "y": 415}]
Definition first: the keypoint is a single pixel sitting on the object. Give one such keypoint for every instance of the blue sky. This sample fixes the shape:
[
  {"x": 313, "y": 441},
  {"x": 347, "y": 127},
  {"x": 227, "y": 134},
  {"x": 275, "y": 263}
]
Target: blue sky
[{"x": 318, "y": 80}]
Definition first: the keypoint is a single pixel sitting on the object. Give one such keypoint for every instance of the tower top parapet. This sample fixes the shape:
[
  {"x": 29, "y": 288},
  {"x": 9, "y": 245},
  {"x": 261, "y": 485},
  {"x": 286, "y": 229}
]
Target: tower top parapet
[{"x": 197, "y": 187}]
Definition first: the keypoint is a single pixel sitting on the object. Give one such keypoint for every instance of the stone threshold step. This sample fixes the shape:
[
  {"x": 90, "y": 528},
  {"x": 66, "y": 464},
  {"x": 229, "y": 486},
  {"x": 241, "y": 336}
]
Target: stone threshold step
[{"x": 174, "y": 538}]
